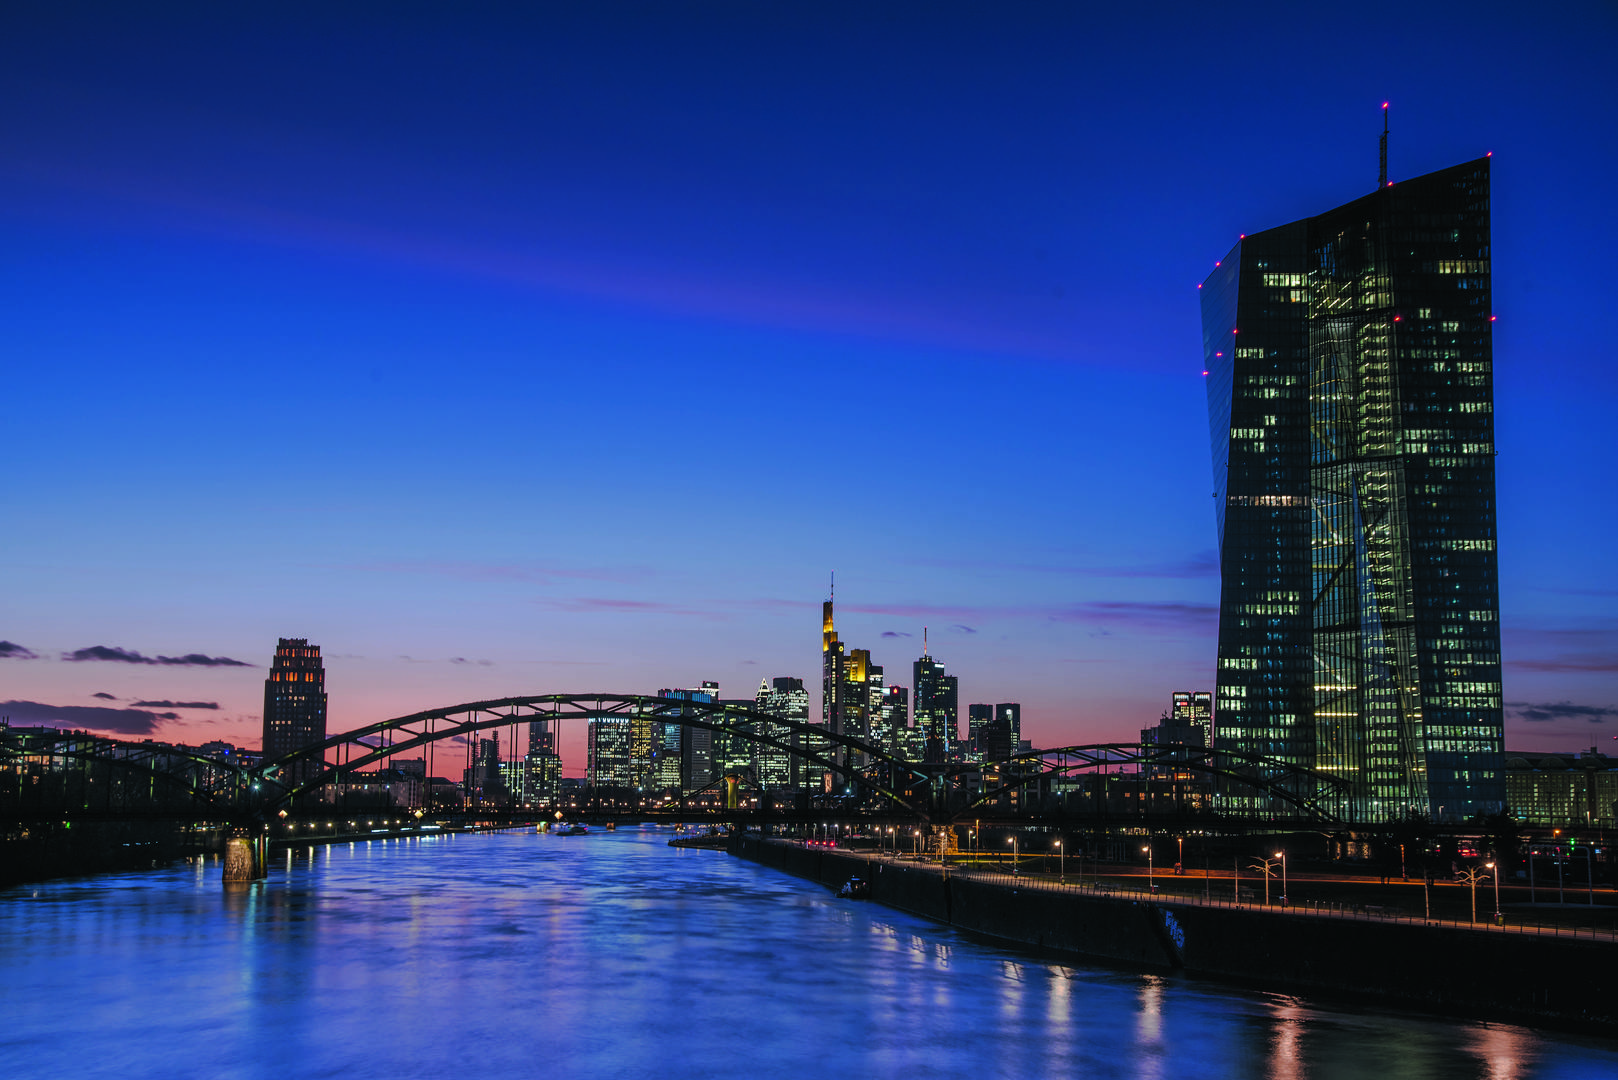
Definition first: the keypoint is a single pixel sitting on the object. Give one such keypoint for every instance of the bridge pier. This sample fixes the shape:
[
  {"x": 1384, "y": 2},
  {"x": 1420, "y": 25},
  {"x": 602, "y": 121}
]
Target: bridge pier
[{"x": 245, "y": 860}]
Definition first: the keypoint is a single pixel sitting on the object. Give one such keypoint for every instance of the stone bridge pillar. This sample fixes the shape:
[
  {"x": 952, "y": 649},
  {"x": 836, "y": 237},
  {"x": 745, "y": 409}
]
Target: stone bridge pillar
[{"x": 245, "y": 858}]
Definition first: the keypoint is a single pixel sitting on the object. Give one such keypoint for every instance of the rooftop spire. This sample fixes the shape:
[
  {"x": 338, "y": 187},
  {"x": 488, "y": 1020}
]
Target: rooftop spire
[{"x": 1382, "y": 181}]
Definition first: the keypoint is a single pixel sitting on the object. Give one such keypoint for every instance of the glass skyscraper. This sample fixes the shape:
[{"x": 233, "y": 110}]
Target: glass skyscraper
[{"x": 1350, "y": 392}]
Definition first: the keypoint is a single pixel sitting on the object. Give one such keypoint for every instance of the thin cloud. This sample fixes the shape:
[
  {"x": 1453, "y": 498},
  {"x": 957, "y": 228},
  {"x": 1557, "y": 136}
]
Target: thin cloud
[
  {"x": 104, "y": 696},
  {"x": 176, "y": 704},
  {"x": 1147, "y": 614},
  {"x": 896, "y": 633},
  {"x": 962, "y": 628},
  {"x": 475, "y": 663},
  {"x": 10, "y": 650},
  {"x": 130, "y": 656},
  {"x": 583, "y": 604},
  {"x": 88, "y": 717},
  {"x": 506, "y": 572},
  {"x": 1597, "y": 664},
  {"x": 1202, "y": 565},
  {"x": 1560, "y": 710}
]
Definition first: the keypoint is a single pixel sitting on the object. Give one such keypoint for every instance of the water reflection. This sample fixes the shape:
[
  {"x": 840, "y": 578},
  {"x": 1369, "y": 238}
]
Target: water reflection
[{"x": 521, "y": 955}]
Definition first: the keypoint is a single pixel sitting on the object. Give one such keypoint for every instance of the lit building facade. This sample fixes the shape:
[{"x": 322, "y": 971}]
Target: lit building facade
[
  {"x": 1350, "y": 388},
  {"x": 543, "y": 779},
  {"x": 1563, "y": 790},
  {"x": 1194, "y": 707},
  {"x": 978, "y": 719},
  {"x": 610, "y": 755},
  {"x": 779, "y": 770},
  {"x": 937, "y": 709},
  {"x": 295, "y": 704}
]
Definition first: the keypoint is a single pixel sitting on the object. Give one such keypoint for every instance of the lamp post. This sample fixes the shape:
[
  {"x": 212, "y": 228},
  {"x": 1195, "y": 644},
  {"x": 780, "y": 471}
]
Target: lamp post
[
  {"x": 1179, "y": 858},
  {"x": 1471, "y": 875},
  {"x": 1498, "y": 921},
  {"x": 1264, "y": 866},
  {"x": 1013, "y": 842},
  {"x": 1061, "y": 858},
  {"x": 1151, "y": 884},
  {"x": 1283, "y": 857}
]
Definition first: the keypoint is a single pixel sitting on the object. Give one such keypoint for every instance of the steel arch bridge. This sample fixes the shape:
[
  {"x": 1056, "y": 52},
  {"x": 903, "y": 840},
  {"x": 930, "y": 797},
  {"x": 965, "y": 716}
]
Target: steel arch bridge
[
  {"x": 113, "y": 778},
  {"x": 206, "y": 787},
  {"x": 373, "y": 743}
]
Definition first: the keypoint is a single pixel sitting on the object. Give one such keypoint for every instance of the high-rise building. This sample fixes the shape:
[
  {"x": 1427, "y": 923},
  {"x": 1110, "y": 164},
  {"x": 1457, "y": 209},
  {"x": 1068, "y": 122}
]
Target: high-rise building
[
  {"x": 1350, "y": 390},
  {"x": 877, "y": 730},
  {"x": 543, "y": 779},
  {"x": 610, "y": 760},
  {"x": 1194, "y": 707},
  {"x": 937, "y": 711},
  {"x": 895, "y": 710},
  {"x": 697, "y": 759},
  {"x": 780, "y": 770},
  {"x": 484, "y": 780},
  {"x": 978, "y": 719},
  {"x": 295, "y": 705},
  {"x": 1008, "y": 716}
]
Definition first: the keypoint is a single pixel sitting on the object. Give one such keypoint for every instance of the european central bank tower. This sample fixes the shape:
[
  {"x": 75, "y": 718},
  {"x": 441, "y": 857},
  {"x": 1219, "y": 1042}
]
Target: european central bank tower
[{"x": 1351, "y": 405}]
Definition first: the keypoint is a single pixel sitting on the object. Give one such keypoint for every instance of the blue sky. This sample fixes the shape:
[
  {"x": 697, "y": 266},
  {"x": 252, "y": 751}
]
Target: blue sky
[{"x": 573, "y": 349}]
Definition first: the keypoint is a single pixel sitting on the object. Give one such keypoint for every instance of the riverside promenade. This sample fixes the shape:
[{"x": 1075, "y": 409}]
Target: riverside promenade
[{"x": 1534, "y": 975}]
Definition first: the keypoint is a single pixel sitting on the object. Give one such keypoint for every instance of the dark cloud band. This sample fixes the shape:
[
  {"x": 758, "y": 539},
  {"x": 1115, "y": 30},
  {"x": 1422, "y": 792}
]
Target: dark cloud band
[
  {"x": 130, "y": 656},
  {"x": 10, "y": 650},
  {"x": 1560, "y": 710},
  {"x": 89, "y": 717}
]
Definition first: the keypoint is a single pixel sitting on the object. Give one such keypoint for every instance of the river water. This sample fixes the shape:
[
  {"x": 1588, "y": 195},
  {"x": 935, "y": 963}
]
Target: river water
[{"x": 612, "y": 955}]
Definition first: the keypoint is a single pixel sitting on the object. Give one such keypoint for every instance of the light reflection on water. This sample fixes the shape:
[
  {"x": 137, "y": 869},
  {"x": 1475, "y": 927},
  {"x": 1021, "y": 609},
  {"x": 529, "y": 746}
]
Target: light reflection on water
[{"x": 521, "y": 955}]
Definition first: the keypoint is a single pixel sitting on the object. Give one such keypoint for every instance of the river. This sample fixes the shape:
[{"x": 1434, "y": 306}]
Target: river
[{"x": 612, "y": 955}]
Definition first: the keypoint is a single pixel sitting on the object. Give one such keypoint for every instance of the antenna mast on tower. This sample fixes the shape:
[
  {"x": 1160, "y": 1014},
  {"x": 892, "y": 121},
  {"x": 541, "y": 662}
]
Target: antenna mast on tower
[{"x": 1382, "y": 181}]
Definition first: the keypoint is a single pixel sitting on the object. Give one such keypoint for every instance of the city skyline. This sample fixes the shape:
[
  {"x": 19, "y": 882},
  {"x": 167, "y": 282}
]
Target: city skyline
[{"x": 533, "y": 381}]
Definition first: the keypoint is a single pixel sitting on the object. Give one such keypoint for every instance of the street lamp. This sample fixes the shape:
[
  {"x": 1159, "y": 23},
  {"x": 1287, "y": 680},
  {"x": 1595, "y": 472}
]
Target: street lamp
[
  {"x": 1471, "y": 875},
  {"x": 1061, "y": 855},
  {"x": 1179, "y": 858},
  {"x": 1151, "y": 884},
  {"x": 1498, "y": 921},
  {"x": 1013, "y": 842},
  {"x": 1283, "y": 857},
  {"x": 1264, "y": 867}
]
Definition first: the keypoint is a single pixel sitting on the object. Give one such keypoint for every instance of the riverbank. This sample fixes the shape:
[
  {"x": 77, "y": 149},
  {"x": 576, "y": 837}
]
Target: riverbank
[{"x": 1567, "y": 980}]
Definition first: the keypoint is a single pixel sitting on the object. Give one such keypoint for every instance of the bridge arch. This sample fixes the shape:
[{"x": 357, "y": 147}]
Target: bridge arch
[
  {"x": 376, "y": 742},
  {"x": 199, "y": 783}
]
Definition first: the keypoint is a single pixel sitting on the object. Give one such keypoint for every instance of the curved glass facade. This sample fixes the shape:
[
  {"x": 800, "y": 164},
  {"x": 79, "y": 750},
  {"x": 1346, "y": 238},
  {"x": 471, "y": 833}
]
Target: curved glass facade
[{"x": 1350, "y": 398}]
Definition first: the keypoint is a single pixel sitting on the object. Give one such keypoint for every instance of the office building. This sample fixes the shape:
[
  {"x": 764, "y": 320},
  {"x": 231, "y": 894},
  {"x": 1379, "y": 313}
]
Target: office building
[
  {"x": 610, "y": 761},
  {"x": 978, "y": 719},
  {"x": 696, "y": 745},
  {"x": 895, "y": 713},
  {"x": 543, "y": 779},
  {"x": 295, "y": 705},
  {"x": 778, "y": 769},
  {"x": 937, "y": 711},
  {"x": 1350, "y": 389},
  {"x": 1008, "y": 717},
  {"x": 1194, "y": 707}
]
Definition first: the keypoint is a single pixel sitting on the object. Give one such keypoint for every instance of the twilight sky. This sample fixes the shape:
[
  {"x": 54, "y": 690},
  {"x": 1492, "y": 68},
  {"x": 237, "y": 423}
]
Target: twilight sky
[{"x": 571, "y": 350}]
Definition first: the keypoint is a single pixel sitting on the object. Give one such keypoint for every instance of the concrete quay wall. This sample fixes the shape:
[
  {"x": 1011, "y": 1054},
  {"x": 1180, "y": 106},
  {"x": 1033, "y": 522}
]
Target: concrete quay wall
[{"x": 1478, "y": 973}]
